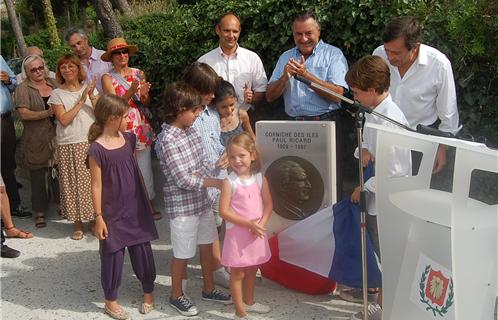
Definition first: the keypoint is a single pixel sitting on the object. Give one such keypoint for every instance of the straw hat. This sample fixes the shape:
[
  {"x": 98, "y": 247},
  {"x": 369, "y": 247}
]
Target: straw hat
[{"x": 117, "y": 44}]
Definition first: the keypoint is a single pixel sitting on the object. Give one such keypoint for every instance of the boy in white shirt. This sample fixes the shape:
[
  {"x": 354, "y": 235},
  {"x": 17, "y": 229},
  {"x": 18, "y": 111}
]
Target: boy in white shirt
[{"x": 369, "y": 80}]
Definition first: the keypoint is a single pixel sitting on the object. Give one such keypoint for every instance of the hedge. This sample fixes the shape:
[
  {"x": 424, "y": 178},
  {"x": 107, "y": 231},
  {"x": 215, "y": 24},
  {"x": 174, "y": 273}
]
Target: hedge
[{"x": 465, "y": 30}]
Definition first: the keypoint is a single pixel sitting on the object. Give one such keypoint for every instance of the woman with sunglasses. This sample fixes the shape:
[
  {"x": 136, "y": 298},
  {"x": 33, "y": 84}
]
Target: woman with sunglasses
[
  {"x": 73, "y": 104},
  {"x": 130, "y": 83},
  {"x": 37, "y": 151}
]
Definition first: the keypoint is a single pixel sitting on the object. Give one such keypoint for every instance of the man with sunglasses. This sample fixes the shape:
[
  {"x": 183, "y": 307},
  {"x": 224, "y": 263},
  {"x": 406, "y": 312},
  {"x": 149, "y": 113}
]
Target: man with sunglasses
[
  {"x": 89, "y": 56},
  {"x": 422, "y": 83},
  {"x": 8, "y": 84}
]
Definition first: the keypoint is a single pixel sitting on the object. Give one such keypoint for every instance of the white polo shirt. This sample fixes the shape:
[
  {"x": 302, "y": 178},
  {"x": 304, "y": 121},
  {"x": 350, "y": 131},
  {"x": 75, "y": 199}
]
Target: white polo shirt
[
  {"x": 426, "y": 91},
  {"x": 400, "y": 163},
  {"x": 242, "y": 67}
]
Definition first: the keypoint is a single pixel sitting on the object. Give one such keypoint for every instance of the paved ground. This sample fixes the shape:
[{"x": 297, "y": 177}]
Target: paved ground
[{"x": 59, "y": 278}]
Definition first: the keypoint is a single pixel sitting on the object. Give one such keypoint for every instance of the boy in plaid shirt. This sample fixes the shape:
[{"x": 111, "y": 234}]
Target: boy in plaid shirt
[{"x": 187, "y": 169}]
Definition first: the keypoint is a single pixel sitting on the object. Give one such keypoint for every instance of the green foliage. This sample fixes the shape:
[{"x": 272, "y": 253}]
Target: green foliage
[
  {"x": 466, "y": 33},
  {"x": 172, "y": 37},
  {"x": 464, "y": 30}
]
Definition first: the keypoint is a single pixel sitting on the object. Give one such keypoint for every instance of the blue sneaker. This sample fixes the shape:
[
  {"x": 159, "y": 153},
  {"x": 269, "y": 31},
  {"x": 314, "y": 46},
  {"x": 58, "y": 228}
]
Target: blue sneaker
[
  {"x": 217, "y": 296},
  {"x": 184, "y": 306}
]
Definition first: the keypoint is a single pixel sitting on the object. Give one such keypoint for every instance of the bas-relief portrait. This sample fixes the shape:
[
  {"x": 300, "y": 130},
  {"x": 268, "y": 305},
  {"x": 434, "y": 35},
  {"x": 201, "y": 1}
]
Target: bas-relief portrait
[{"x": 296, "y": 186}]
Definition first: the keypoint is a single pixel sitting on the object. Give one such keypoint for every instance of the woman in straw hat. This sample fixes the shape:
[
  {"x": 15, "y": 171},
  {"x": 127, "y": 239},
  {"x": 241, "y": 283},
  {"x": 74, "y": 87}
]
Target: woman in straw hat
[{"x": 130, "y": 83}]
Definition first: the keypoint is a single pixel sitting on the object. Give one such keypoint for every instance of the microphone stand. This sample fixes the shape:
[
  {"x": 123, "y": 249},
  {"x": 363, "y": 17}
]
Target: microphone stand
[{"x": 359, "y": 111}]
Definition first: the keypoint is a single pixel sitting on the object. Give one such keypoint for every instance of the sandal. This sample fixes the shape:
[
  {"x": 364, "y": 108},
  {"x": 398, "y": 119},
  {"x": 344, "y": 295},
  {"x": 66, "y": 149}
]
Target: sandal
[
  {"x": 77, "y": 235},
  {"x": 120, "y": 315},
  {"x": 157, "y": 215},
  {"x": 21, "y": 234},
  {"x": 146, "y": 308},
  {"x": 40, "y": 221}
]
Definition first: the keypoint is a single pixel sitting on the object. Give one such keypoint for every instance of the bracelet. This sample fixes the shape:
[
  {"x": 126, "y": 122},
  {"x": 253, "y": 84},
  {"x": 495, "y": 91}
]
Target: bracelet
[{"x": 98, "y": 214}]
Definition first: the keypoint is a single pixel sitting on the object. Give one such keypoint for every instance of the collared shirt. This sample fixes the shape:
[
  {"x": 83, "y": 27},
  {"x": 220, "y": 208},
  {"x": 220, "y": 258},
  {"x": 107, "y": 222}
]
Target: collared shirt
[
  {"x": 427, "y": 90},
  {"x": 96, "y": 68},
  {"x": 185, "y": 165},
  {"x": 400, "y": 162},
  {"x": 208, "y": 126},
  {"x": 5, "y": 90},
  {"x": 326, "y": 63},
  {"x": 241, "y": 68},
  {"x": 37, "y": 135}
]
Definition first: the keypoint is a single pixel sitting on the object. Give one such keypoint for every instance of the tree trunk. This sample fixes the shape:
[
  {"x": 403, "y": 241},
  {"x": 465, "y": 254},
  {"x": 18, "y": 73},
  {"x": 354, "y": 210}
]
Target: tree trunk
[
  {"x": 55, "y": 40},
  {"x": 122, "y": 6},
  {"x": 16, "y": 27},
  {"x": 105, "y": 13}
]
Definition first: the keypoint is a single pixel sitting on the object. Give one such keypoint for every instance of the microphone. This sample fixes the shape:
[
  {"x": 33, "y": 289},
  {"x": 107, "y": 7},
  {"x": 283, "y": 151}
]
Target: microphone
[
  {"x": 351, "y": 104},
  {"x": 302, "y": 79},
  {"x": 433, "y": 132}
]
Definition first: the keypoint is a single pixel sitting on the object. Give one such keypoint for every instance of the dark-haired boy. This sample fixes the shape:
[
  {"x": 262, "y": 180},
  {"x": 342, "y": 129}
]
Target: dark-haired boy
[
  {"x": 369, "y": 80},
  {"x": 187, "y": 168}
]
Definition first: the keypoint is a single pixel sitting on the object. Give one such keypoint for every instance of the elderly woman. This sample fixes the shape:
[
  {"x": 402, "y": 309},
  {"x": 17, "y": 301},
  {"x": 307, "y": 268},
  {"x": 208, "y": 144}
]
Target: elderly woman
[
  {"x": 31, "y": 99},
  {"x": 130, "y": 83},
  {"x": 72, "y": 105}
]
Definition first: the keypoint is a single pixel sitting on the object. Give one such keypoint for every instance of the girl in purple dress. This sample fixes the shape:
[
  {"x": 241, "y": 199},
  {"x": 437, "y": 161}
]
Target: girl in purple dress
[
  {"x": 122, "y": 209},
  {"x": 246, "y": 206}
]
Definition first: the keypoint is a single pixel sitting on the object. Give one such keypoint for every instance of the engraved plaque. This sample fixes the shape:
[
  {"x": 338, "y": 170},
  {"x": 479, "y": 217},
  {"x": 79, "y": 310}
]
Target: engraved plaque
[{"x": 298, "y": 158}]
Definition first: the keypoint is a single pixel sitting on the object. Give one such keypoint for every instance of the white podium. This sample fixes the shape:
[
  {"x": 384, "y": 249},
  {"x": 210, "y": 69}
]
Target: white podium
[{"x": 439, "y": 249}]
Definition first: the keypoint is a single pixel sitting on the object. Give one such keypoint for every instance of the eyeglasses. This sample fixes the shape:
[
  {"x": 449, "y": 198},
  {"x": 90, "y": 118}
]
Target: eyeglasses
[
  {"x": 39, "y": 69},
  {"x": 119, "y": 52}
]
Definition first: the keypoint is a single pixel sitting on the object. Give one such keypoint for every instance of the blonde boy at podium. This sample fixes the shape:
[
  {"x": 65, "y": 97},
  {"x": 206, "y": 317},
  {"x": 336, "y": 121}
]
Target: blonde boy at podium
[{"x": 369, "y": 80}]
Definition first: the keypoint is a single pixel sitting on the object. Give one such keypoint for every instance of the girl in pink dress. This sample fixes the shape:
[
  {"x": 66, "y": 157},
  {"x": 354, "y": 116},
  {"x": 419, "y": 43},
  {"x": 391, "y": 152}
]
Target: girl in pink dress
[{"x": 246, "y": 205}]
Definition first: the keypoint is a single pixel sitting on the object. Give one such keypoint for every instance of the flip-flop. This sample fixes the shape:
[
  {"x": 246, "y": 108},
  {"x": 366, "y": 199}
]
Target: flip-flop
[
  {"x": 77, "y": 235},
  {"x": 21, "y": 234},
  {"x": 40, "y": 222}
]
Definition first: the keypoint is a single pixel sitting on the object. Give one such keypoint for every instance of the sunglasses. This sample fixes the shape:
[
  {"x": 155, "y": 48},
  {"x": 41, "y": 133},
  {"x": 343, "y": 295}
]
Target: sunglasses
[
  {"x": 119, "y": 52},
  {"x": 39, "y": 69}
]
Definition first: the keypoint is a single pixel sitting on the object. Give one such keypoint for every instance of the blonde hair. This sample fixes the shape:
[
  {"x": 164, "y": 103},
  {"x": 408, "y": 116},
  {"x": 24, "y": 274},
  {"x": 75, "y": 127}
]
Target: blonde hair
[
  {"x": 69, "y": 58},
  {"x": 109, "y": 105},
  {"x": 30, "y": 59},
  {"x": 245, "y": 141}
]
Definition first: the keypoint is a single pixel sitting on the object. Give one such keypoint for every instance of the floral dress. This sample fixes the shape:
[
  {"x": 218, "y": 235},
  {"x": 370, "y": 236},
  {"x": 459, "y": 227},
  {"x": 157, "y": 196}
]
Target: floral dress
[{"x": 139, "y": 124}]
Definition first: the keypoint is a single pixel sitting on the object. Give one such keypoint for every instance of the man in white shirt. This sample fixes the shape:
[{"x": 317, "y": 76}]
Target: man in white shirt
[
  {"x": 241, "y": 67},
  {"x": 89, "y": 56},
  {"x": 422, "y": 83}
]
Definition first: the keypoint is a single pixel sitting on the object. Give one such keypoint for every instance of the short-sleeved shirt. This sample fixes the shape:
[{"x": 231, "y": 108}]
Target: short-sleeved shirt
[
  {"x": 326, "y": 63},
  {"x": 241, "y": 68},
  {"x": 427, "y": 90},
  {"x": 125, "y": 205},
  {"x": 96, "y": 68},
  {"x": 399, "y": 158},
  {"x": 185, "y": 165},
  {"x": 77, "y": 130}
]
